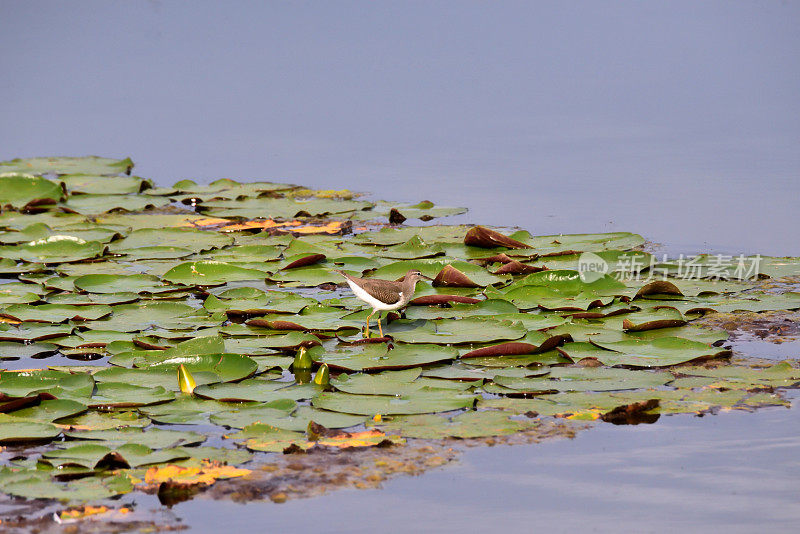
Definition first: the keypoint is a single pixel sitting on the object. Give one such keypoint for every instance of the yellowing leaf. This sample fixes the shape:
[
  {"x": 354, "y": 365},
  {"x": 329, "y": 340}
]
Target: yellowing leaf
[
  {"x": 261, "y": 223},
  {"x": 185, "y": 380},
  {"x": 368, "y": 438},
  {"x": 191, "y": 476},
  {"x": 333, "y": 227},
  {"x": 206, "y": 221}
]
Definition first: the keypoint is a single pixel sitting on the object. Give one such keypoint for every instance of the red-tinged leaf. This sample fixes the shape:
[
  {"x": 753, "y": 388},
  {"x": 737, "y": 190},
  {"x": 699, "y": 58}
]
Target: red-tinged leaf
[
  {"x": 485, "y": 238},
  {"x": 516, "y": 267},
  {"x": 431, "y": 300},
  {"x": 311, "y": 259},
  {"x": 452, "y": 277},
  {"x": 275, "y": 325}
]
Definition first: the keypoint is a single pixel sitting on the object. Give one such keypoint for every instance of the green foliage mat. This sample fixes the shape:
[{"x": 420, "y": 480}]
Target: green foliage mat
[{"x": 216, "y": 307}]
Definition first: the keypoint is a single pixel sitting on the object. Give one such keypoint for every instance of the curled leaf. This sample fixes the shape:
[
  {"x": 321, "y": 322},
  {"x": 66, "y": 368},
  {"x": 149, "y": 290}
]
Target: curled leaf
[
  {"x": 452, "y": 277},
  {"x": 323, "y": 376},
  {"x": 485, "y": 238},
  {"x": 185, "y": 380}
]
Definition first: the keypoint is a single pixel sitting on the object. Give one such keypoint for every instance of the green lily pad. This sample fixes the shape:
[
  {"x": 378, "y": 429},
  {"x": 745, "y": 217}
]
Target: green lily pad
[
  {"x": 95, "y": 420},
  {"x": 118, "y": 394},
  {"x": 258, "y": 303},
  {"x": 416, "y": 403},
  {"x": 55, "y": 313},
  {"x": 145, "y": 314},
  {"x": 41, "y": 486},
  {"x": 466, "y": 425},
  {"x": 49, "y": 410},
  {"x": 297, "y": 421},
  {"x": 393, "y": 383},
  {"x": 63, "y": 165},
  {"x": 98, "y": 204},
  {"x": 256, "y": 389},
  {"x": 279, "y": 208},
  {"x": 18, "y": 432},
  {"x": 114, "y": 283},
  {"x": 210, "y": 273},
  {"x": 377, "y": 356},
  {"x": 412, "y": 249},
  {"x": 661, "y": 352},
  {"x": 491, "y": 307},
  {"x": 99, "y": 184},
  {"x": 153, "y": 438},
  {"x": 468, "y": 330},
  {"x": 19, "y": 189},
  {"x": 267, "y": 438},
  {"x": 11, "y": 350},
  {"x": 55, "y": 249},
  {"x": 187, "y": 238},
  {"x": 586, "y": 379},
  {"x": 205, "y": 368},
  {"x": 23, "y": 383}
]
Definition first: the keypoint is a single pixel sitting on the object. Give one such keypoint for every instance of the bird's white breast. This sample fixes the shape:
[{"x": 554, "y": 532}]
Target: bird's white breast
[{"x": 372, "y": 301}]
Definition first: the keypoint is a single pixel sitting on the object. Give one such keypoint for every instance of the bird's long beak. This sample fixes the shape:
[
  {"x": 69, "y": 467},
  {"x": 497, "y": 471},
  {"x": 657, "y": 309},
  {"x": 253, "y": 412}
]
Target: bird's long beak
[{"x": 426, "y": 277}]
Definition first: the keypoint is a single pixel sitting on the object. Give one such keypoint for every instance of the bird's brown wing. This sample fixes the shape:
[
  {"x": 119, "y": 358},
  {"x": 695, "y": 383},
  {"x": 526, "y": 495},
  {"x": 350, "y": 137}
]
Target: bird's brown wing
[{"x": 390, "y": 294}]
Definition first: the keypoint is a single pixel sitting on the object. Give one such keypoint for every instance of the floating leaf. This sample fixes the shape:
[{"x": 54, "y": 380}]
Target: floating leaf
[
  {"x": 466, "y": 425},
  {"x": 377, "y": 356},
  {"x": 55, "y": 313},
  {"x": 87, "y": 165},
  {"x": 99, "y": 204},
  {"x": 210, "y": 273},
  {"x": 469, "y": 330},
  {"x": 114, "y": 283},
  {"x": 55, "y": 249},
  {"x": 18, "y": 190},
  {"x": 419, "y": 402},
  {"x": 13, "y": 432}
]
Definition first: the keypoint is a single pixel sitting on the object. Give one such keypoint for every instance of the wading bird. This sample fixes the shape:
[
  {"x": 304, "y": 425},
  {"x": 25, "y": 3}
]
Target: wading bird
[{"x": 384, "y": 295}]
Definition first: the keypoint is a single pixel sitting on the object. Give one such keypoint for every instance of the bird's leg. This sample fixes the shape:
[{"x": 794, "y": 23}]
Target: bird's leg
[
  {"x": 368, "y": 318},
  {"x": 380, "y": 329}
]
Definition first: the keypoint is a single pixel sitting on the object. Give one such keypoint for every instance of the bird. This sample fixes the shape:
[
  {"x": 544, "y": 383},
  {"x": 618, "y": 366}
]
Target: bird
[{"x": 384, "y": 295}]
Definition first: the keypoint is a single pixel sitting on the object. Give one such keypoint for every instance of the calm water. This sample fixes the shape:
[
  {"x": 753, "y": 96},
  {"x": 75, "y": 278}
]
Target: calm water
[{"x": 676, "y": 120}]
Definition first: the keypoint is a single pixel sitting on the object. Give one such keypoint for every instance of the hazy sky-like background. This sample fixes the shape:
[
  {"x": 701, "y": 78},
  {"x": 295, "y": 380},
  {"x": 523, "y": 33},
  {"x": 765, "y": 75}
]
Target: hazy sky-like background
[{"x": 678, "y": 120}]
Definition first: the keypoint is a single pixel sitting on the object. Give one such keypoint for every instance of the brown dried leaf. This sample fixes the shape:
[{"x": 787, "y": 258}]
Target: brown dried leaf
[
  {"x": 452, "y": 277},
  {"x": 430, "y": 300},
  {"x": 485, "y": 238},
  {"x": 311, "y": 259},
  {"x": 516, "y": 267}
]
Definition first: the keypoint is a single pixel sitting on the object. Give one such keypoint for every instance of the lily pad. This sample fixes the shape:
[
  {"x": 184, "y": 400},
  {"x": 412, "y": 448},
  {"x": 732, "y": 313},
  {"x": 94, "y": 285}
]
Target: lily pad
[
  {"x": 99, "y": 204},
  {"x": 466, "y": 425},
  {"x": 99, "y": 184},
  {"x": 64, "y": 165},
  {"x": 55, "y": 313},
  {"x": 210, "y": 273},
  {"x": 416, "y": 403},
  {"x": 18, "y": 190},
  {"x": 18, "y": 432},
  {"x": 115, "y": 283},
  {"x": 377, "y": 356},
  {"x": 469, "y": 330},
  {"x": 55, "y": 249}
]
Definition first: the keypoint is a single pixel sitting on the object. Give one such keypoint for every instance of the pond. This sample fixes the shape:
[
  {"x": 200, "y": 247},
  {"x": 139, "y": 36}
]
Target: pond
[{"x": 677, "y": 122}]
